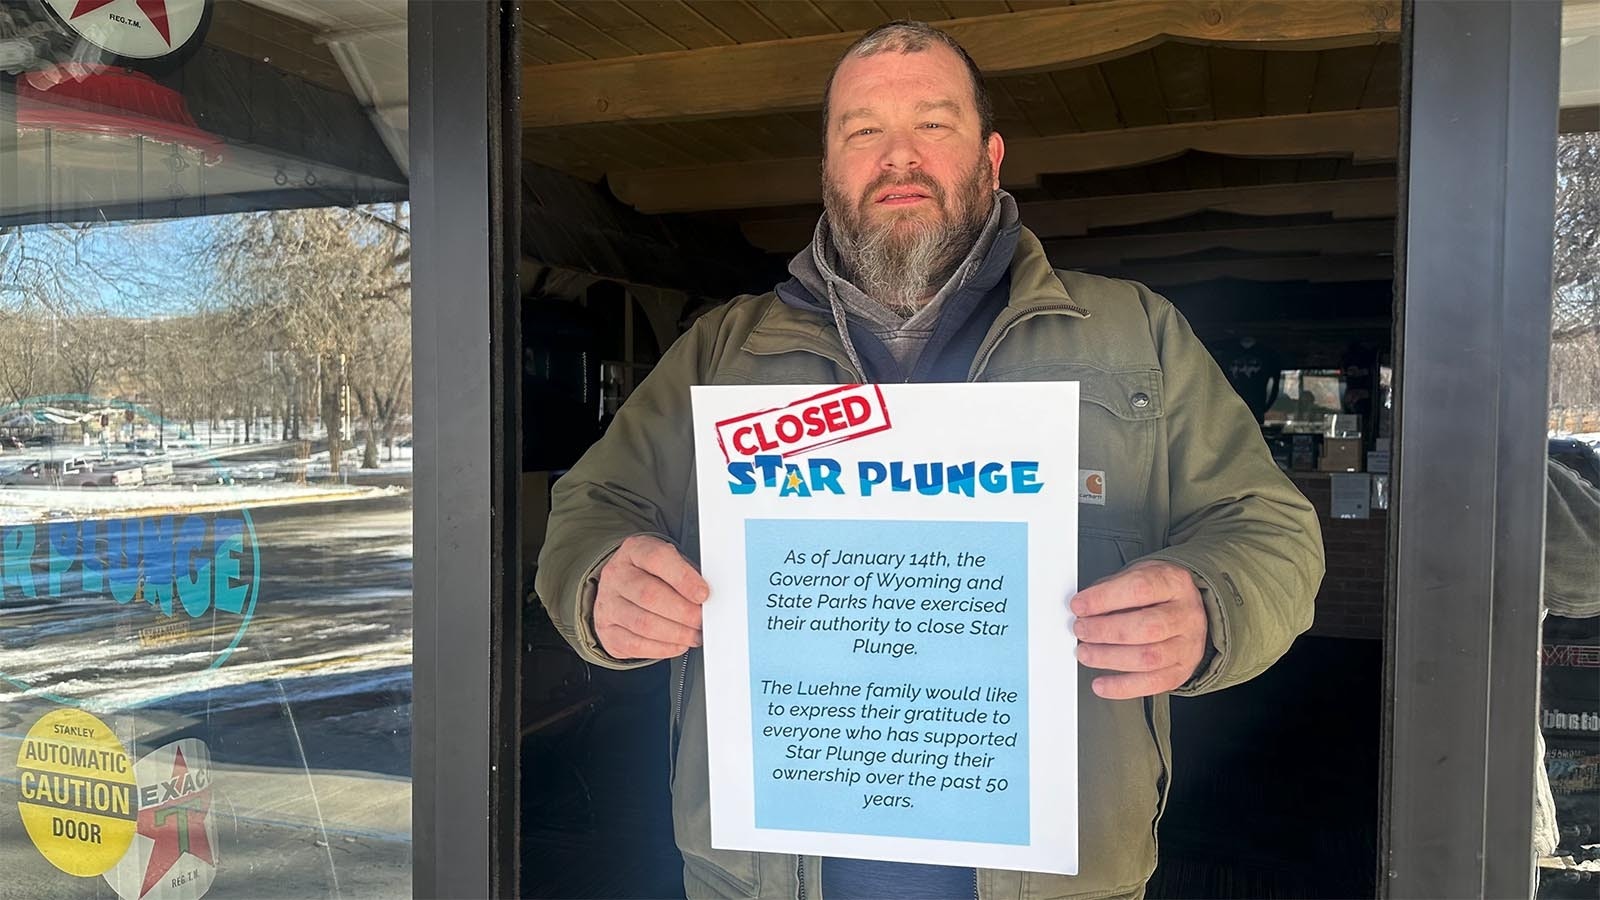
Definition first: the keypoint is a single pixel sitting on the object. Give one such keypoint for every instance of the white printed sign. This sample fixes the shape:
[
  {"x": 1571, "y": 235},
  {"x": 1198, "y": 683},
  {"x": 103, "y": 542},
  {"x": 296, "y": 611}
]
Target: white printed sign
[{"x": 890, "y": 669}]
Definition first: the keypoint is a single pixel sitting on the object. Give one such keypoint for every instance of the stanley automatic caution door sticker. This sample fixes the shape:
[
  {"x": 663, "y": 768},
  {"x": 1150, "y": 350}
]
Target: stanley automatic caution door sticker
[{"x": 77, "y": 792}]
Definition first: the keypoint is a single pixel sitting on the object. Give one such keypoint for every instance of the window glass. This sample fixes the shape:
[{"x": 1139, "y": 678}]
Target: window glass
[
  {"x": 205, "y": 449},
  {"x": 1305, "y": 397},
  {"x": 1567, "y": 796}
]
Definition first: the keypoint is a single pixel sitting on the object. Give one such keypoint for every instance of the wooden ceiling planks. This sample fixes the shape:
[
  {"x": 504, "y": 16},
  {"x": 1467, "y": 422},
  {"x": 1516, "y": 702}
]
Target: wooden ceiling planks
[
  {"x": 915, "y": 10},
  {"x": 788, "y": 172},
  {"x": 1237, "y": 79},
  {"x": 1041, "y": 104},
  {"x": 770, "y": 70},
  {"x": 625, "y": 26},
  {"x": 1078, "y": 216},
  {"x": 541, "y": 48},
  {"x": 739, "y": 21},
  {"x": 1030, "y": 5},
  {"x": 1088, "y": 97},
  {"x": 1136, "y": 86},
  {"x": 571, "y": 29},
  {"x": 851, "y": 15},
  {"x": 1203, "y": 170},
  {"x": 1238, "y": 171},
  {"x": 1369, "y": 236},
  {"x": 1383, "y": 85},
  {"x": 1342, "y": 77},
  {"x": 1166, "y": 84},
  {"x": 604, "y": 145},
  {"x": 1289, "y": 81},
  {"x": 712, "y": 139},
  {"x": 795, "y": 18},
  {"x": 777, "y": 137},
  {"x": 967, "y": 9},
  {"x": 1278, "y": 171},
  {"x": 1185, "y": 78},
  {"x": 683, "y": 133},
  {"x": 1009, "y": 119},
  {"x": 647, "y": 144},
  {"x": 681, "y": 22}
]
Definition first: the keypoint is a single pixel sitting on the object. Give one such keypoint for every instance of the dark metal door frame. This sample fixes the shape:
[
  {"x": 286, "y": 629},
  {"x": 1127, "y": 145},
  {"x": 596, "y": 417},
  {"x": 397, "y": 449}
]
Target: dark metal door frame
[
  {"x": 464, "y": 161},
  {"x": 1478, "y": 176},
  {"x": 1473, "y": 316}
]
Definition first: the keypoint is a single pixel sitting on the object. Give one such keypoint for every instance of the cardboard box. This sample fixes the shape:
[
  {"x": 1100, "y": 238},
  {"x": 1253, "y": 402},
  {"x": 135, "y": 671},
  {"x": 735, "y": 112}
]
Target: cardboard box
[{"x": 1341, "y": 455}]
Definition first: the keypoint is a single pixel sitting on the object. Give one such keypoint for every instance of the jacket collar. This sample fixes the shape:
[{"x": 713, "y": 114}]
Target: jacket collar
[{"x": 1035, "y": 287}]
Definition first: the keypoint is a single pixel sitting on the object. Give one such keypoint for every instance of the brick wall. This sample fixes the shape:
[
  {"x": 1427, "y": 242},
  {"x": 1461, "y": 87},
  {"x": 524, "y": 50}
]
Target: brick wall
[{"x": 1350, "y": 603}]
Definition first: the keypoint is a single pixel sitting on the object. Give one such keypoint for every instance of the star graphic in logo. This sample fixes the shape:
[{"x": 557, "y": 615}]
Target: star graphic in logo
[
  {"x": 794, "y": 481},
  {"x": 154, "y": 10},
  {"x": 177, "y": 827}
]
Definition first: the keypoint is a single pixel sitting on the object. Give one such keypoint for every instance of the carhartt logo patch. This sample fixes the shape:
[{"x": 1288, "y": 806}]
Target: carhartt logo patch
[{"x": 1092, "y": 487}]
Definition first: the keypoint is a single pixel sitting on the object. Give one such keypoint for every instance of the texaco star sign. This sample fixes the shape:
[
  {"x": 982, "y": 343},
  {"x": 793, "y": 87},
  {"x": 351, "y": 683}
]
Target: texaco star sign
[{"x": 135, "y": 29}]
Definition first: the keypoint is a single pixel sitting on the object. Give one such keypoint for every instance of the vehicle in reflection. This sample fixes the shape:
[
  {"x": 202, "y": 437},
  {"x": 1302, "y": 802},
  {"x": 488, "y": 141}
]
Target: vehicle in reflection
[{"x": 78, "y": 472}]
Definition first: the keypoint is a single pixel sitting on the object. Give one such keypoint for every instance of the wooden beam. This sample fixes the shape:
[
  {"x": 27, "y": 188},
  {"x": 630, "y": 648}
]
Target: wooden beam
[
  {"x": 1280, "y": 268},
  {"x": 1374, "y": 237},
  {"x": 1365, "y": 198},
  {"x": 1576, "y": 119},
  {"x": 790, "y": 74},
  {"x": 1364, "y": 135}
]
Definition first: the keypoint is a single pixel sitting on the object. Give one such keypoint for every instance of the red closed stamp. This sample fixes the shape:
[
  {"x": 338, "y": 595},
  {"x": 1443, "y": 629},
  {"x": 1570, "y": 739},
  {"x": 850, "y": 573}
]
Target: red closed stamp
[{"x": 835, "y": 415}]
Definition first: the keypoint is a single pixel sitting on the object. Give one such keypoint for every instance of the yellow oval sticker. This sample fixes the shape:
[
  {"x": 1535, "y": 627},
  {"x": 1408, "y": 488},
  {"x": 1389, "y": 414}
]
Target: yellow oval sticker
[{"x": 78, "y": 792}]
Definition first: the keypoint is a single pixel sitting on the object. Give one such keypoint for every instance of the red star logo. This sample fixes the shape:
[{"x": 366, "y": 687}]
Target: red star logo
[
  {"x": 154, "y": 10},
  {"x": 177, "y": 826}
]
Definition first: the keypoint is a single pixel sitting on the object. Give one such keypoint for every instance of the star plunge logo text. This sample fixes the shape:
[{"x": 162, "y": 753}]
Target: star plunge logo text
[
  {"x": 760, "y": 450},
  {"x": 188, "y": 582},
  {"x": 822, "y": 476}
]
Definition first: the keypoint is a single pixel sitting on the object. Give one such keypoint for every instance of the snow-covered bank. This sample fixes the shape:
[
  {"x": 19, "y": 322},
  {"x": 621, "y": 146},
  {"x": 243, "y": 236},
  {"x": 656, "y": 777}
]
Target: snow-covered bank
[{"x": 21, "y": 505}]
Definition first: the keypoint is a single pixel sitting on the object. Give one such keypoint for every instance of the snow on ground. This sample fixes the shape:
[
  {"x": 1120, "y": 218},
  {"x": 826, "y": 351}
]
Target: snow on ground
[{"x": 20, "y": 505}]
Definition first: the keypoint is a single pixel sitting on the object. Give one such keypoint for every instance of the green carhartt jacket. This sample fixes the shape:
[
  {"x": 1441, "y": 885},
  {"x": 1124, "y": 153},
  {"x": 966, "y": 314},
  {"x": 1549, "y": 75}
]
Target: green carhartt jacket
[{"x": 1188, "y": 479}]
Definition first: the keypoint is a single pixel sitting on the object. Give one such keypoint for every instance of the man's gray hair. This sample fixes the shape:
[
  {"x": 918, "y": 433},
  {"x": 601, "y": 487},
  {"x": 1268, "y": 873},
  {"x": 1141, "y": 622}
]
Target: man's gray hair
[{"x": 906, "y": 36}]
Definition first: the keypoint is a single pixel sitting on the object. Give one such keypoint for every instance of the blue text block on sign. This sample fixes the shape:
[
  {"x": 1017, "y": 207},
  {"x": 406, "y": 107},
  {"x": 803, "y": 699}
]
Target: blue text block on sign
[{"x": 888, "y": 677}]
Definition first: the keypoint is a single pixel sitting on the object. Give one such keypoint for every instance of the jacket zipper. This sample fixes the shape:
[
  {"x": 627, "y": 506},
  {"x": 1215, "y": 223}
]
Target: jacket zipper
[
  {"x": 981, "y": 360},
  {"x": 974, "y": 883},
  {"x": 677, "y": 713},
  {"x": 800, "y": 875},
  {"x": 677, "y": 698}
]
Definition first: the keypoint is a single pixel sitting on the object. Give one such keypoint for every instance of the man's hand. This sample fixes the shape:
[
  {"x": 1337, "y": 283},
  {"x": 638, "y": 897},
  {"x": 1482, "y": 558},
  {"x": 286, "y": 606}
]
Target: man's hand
[
  {"x": 648, "y": 604},
  {"x": 1147, "y": 621}
]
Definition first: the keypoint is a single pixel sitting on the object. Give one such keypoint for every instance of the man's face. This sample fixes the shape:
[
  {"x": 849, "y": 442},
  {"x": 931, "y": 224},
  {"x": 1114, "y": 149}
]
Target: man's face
[{"x": 908, "y": 182}]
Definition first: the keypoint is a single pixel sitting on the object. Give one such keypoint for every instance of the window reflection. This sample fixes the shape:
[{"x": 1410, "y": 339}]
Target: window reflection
[
  {"x": 205, "y": 449},
  {"x": 1567, "y": 795}
]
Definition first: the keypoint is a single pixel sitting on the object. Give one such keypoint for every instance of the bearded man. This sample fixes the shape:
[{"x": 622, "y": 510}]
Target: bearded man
[{"x": 1202, "y": 562}]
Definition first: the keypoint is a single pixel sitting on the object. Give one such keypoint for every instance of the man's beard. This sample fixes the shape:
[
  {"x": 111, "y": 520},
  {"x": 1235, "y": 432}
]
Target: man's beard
[{"x": 905, "y": 256}]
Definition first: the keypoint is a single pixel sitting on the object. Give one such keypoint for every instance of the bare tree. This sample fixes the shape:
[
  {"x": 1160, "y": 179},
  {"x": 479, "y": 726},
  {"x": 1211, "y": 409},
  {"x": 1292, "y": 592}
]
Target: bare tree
[
  {"x": 24, "y": 342},
  {"x": 88, "y": 352},
  {"x": 1575, "y": 308},
  {"x": 382, "y": 382},
  {"x": 319, "y": 285}
]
